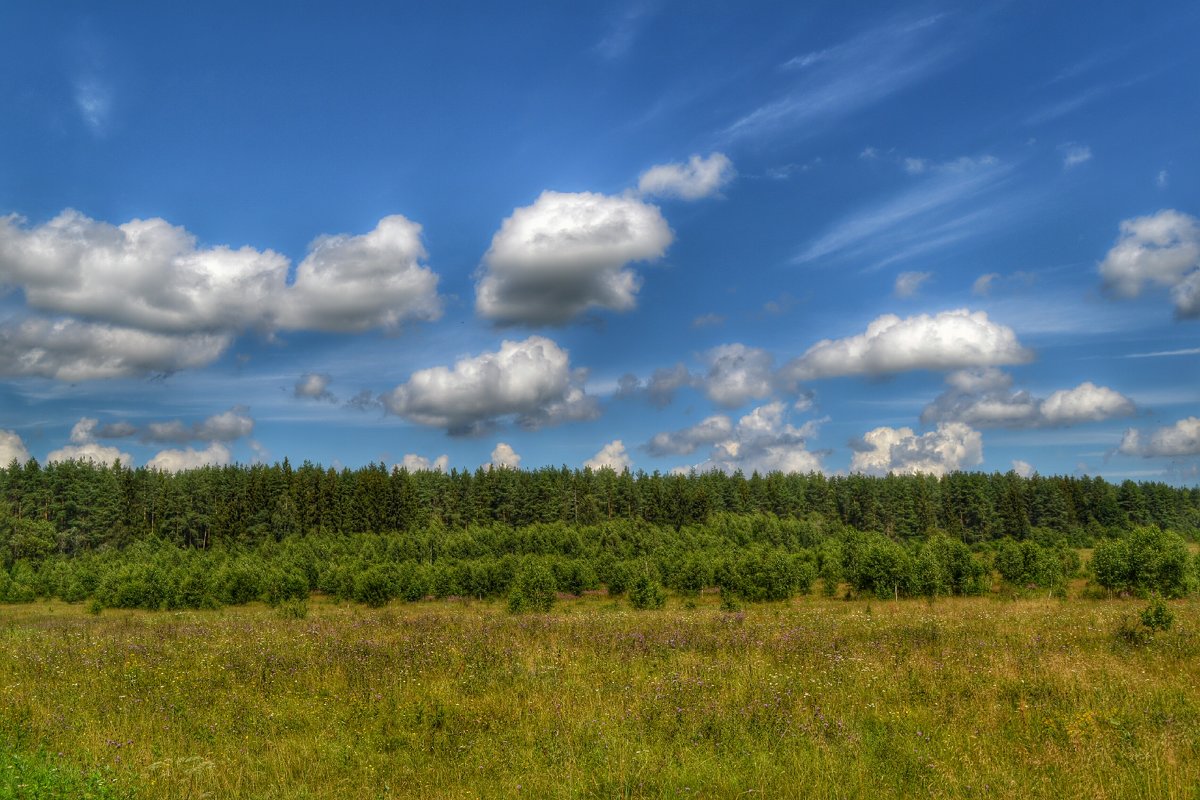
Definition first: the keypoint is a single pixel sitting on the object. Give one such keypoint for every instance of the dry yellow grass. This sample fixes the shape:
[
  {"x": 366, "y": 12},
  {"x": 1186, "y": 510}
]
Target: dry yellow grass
[{"x": 813, "y": 698}]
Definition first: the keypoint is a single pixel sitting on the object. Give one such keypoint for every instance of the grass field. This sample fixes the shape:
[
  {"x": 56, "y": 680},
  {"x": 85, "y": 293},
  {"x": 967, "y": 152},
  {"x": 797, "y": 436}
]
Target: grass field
[{"x": 813, "y": 698}]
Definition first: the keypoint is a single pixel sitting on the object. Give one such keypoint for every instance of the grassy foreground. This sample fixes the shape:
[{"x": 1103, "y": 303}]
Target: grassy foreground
[{"x": 812, "y": 698}]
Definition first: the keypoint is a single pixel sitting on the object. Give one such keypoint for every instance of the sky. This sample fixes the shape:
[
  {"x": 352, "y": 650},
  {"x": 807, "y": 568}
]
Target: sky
[{"x": 662, "y": 236}]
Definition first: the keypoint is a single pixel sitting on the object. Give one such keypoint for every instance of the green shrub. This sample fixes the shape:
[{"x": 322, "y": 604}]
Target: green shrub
[
  {"x": 646, "y": 592},
  {"x": 533, "y": 589}
]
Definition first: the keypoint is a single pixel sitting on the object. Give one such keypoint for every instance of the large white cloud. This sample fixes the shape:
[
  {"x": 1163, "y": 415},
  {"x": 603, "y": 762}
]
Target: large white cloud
[
  {"x": 761, "y": 441},
  {"x": 110, "y": 301},
  {"x": 12, "y": 448},
  {"x": 948, "y": 340},
  {"x": 70, "y": 350},
  {"x": 1180, "y": 439},
  {"x": 355, "y": 283},
  {"x": 952, "y": 446},
  {"x": 216, "y": 454},
  {"x": 698, "y": 178},
  {"x": 530, "y": 380},
  {"x": 567, "y": 253},
  {"x": 611, "y": 456},
  {"x": 1161, "y": 249},
  {"x": 983, "y": 398},
  {"x": 314, "y": 386},
  {"x": 84, "y": 447}
]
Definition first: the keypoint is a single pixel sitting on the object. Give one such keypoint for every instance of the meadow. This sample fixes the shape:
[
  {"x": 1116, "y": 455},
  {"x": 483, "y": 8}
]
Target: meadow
[{"x": 811, "y": 697}]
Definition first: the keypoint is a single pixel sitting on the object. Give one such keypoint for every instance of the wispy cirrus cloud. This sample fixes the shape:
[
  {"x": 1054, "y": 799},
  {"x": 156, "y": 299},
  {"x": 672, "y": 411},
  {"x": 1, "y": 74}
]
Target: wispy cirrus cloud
[
  {"x": 950, "y": 202},
  {"x": 836, "y": 81}
]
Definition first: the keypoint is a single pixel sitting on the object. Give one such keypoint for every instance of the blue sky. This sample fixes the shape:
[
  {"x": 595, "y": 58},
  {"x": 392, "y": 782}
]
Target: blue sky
[{"x": 654, "y": 235}]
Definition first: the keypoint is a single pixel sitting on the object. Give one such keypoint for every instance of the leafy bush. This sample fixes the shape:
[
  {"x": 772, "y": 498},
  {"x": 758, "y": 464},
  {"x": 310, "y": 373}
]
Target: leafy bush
[
  {"x": 646, "y": 592},
  {"x": 533, "y": 589}
]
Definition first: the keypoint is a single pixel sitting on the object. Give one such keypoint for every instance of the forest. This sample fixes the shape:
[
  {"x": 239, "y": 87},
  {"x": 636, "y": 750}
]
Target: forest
[{"x": 142, "y": 538}]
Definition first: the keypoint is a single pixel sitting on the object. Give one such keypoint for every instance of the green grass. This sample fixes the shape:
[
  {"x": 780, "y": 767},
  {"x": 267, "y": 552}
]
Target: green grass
[
  {"x": 817, "y": 698},
  {"x": 38, "y": 776}
]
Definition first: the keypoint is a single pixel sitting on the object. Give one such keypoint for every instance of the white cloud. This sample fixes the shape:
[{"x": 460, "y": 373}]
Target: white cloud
[
  {"x": 1180, "y": 439},
  {"x": 224, "y": 427},
  {"x": 1162, "y": 179},
  {"x": 665, "y": 381},
  {"x": 761, "y": 441},
  {"x": 1162, "y": 249},
  {"x": 84, "y": 431},
  {"x": 356, "y": 283},
  {"x": 94, "y": 100},
  {"x": 1075, "y": 154},
  {"x": 216, "y": 454},
  {"x": 504, "y": 456},
  {"x": 144, "y": 297},
  {"x": 915, "y": 166},
  {"x": 70, "y": 350},
  {"x": 683, "y": 442},
  {"x": 737, "y": 373},
  {"x": 909, "y": 283},
  {"x": 952, "y": 446},
  {"x": 12, "y": 449},
  {"x": 91, "y": 451},
  {"x": 565, "y": 254},
  {"x": 611, "y": 456},
  {"x": 948, "y": 340},
  {"x": 983, "y": 284},
  {"x": 984, "y": 398},
  {"x": 314, "y": 386},
  {"x": 416, "y": 463},
  {"x": 1023, "y": 468},
  {"x": 698, "y": 178},
  {"x": 708, "y": 320},
  {"x": 530, "y": 380}
]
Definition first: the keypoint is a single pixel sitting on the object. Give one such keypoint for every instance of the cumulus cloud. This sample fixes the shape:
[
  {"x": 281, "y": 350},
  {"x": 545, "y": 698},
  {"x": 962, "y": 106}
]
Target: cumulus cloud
[
  {"x": 12, "y": 448},
  {"x": 530, "y": 381},
  {"x": 504, "y": 456},
  {"x": 224, "y": 427},
  {"x": 1161, "y": 249},
  {"x": 686, "y": 441},
  {"x": 908, "y": 283},
  {"x": 143, "y": 296},
  {"x": 1023, "y": 468},
  {"x": 611, "y": 456},
  {"x": 698, "y": 178},
  {"x": 948, "y": 340},
  {"x": 355, "y": 283},
  {"x": 70, "y": 350},
  {"x": 660, "y": 388},
  {"x": 710, "y": 320},
  {"x": 565, "y": 254},
  {"x": 314, "y": 386},
  {"x": 1180, "y": 439},
  {"x": 416, "y": 463},
  {"x": 952, "y": 446},
  {"x": 737, "y": 373},
  {"x": 983, "y": 398},
  {"x": 99, "y": 454},
  {"x": 216, "y": 454},
  {"x": 761, "y": 441}
]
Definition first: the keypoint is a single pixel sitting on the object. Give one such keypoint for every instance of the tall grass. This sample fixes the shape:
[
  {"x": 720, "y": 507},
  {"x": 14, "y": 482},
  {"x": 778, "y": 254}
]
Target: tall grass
[{"x": 811, "y": 698}]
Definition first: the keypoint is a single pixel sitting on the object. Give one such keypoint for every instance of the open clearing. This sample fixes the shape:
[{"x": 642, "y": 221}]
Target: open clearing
[{"x": 816, "y": 697}]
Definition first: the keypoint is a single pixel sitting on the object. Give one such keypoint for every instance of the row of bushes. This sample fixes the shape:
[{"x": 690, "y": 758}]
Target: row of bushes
[{"x": 365, "y": 569}]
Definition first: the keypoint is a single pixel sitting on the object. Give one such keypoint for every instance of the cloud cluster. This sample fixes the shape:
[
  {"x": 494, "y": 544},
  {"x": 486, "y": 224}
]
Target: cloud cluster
[
  {"x": 177, "y": 460},
  {"x": 224, "y": 427},
  {"x": 611, "y": 456},
  {"x": 949, "y": 340},
  {"x": 1161, "y": 249},
  {"x": 568, "y": 253},
  {"x": 984, "y": 398},
  {"x": 1180, "y": 439},
  {"x": 952, "y": 446},
  {"x": 761, "y": 441},
  {"x": 698, "y": 178},
  {"x": 12, "y": 448},
  {"x": 737, "y": 373},
  {"x": 909, "y": 283},
  {"x": 417, "y": 463},
  {"x": 84, "y": 447},
  {"x": 142, "y": 297},
  {"x": 530, "y": 381}
]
